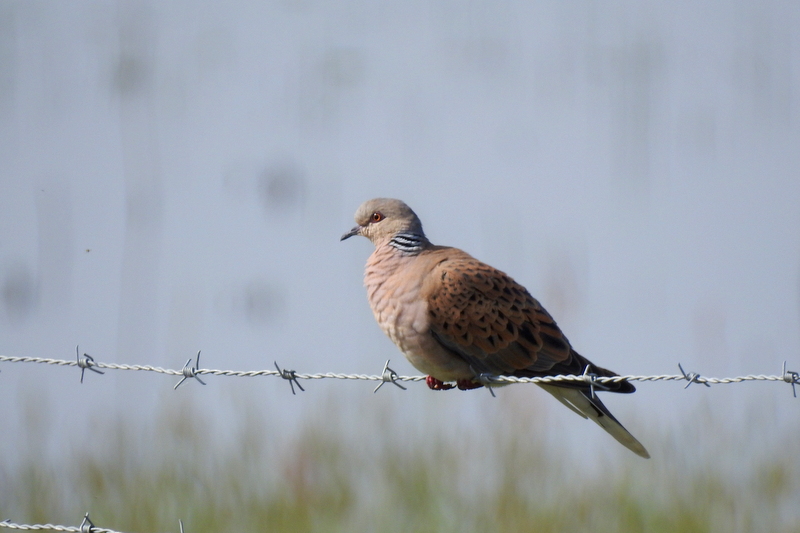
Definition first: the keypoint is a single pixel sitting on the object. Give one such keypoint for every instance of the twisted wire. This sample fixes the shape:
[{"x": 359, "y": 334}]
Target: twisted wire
[
  {"x": 53, "y": 527},
  {"x": 371, "y": 377}
]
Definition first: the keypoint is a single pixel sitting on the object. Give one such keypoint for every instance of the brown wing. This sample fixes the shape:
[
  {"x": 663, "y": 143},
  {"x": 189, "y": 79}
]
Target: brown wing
[{"x": 491, "y": 321}]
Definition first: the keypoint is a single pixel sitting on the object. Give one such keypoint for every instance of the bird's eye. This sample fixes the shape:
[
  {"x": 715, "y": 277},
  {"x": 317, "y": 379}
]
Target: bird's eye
[{"x": 376, "y": 217}]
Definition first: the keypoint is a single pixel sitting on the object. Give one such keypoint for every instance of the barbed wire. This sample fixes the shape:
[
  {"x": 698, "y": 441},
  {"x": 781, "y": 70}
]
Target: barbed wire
[
  {"x": 86, "y": 527},
  {"x": 86, "y": 361}
]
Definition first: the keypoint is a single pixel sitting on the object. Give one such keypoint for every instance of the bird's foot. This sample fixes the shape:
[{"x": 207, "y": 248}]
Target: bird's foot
[
  {"x": 435, "y": 384},
  {"x": 467, "y": 384}
]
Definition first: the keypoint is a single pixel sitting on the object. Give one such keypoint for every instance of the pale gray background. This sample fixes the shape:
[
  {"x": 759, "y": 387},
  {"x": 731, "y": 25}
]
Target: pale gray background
[{"x": 175, "y": 176}]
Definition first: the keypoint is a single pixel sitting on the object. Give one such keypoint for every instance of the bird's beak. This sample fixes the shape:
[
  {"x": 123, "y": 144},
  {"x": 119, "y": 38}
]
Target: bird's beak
[{"x": 351, "y": 233}]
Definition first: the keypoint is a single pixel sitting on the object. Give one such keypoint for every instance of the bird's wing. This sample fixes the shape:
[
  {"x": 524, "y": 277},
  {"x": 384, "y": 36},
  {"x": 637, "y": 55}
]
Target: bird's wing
[
  {"x": 491, "y": 320},
  {"x": 485, "y": 317}
]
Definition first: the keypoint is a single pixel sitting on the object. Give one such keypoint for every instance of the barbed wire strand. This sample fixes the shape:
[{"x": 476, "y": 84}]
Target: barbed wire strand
[
  {"x": 87, "y": 526},
  {"x": 52, "y": 527},
  {"x": 388, "y": 375}
]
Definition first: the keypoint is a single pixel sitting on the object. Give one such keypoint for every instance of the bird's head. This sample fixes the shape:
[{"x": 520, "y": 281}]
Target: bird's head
[{"x": 382, "y": 219}]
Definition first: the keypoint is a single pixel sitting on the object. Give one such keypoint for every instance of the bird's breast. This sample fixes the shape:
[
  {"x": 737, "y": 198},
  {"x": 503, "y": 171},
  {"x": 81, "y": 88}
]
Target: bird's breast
[
  {"x": 398, "y": 309},
  {"x": 394, "y": 291}
]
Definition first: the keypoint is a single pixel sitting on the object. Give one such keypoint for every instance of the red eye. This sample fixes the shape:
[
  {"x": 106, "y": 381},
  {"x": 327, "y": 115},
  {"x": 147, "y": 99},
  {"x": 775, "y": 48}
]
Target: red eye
[{"x": 376, "y": 217}]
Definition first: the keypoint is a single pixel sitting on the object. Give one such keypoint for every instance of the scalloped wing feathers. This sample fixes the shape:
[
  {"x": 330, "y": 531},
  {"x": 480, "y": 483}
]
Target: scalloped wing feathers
[{"x": 492, "y": 321}]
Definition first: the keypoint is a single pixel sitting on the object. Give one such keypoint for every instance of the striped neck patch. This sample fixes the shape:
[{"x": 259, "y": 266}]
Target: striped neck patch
[{"x": 408, "y": 243}]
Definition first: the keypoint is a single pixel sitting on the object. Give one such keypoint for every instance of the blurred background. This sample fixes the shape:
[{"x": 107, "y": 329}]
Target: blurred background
[{"x": 175, "y": 177}]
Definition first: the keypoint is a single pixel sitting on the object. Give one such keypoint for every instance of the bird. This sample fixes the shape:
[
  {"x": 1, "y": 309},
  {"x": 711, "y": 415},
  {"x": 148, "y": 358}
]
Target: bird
[{"x": 459, "y": 320}]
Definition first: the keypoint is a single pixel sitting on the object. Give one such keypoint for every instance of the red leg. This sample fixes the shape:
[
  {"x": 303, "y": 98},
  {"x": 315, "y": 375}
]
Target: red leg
[
  {"x": 467, "y": 384},
  {"x": 435, "y": 384}
]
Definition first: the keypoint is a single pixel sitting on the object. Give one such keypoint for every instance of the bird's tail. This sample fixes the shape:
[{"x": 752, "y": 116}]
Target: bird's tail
[{"x": 582, "y": 402}]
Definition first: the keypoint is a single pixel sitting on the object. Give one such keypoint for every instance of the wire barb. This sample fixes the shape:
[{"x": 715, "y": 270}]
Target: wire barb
[
  {"x": 388, "y": 376},
  {"x": 591, "y": 379},
  {"x": 291, "y": 376},
  {"x": 85, "y": 361},
  {"x": 488, "y": 381},
  {"x": 693, "y": 377},
  {"x": 792, "y": 377},
  {"x": 86, "y": 526},
  {"x": 190, "y": 372}
]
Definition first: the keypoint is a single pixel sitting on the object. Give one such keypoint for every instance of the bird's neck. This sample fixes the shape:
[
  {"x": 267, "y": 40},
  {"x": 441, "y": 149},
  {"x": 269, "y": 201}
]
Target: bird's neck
[
  {"x": 408, "y": 243},
  {"x": 392, "y": 255}
]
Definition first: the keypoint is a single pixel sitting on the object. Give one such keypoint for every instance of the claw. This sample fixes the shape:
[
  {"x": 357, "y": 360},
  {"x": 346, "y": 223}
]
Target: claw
[
  {"x": 435, "y": 384},
  {"x": 467, "y": 384}
]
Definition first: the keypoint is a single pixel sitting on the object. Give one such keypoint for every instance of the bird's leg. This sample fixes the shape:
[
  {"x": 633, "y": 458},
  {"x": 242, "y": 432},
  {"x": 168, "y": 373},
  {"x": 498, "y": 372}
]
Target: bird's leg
[
  {"x": 435, "y": 384},
  {"x": 467, "y": 384}
]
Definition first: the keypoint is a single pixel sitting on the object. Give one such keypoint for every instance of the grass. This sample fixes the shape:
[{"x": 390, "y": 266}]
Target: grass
[{"x": 390, "y": 477}]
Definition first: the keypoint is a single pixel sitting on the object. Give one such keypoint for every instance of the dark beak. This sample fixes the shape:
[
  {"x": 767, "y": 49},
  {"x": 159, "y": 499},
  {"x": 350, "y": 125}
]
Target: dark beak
[{"x": 351, "y": 233}]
